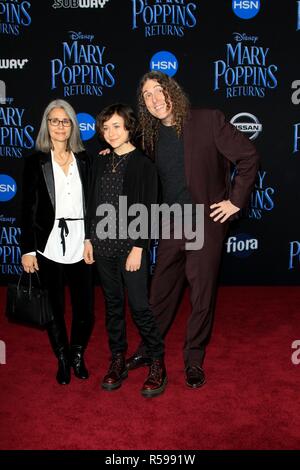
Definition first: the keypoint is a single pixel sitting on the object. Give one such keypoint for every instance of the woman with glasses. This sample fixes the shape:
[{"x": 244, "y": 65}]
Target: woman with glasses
[{"x": 52, "y": 236}]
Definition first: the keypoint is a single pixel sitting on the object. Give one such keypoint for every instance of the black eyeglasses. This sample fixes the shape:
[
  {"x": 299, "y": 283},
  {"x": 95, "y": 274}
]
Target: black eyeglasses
[{"x": 56, "y": 122}]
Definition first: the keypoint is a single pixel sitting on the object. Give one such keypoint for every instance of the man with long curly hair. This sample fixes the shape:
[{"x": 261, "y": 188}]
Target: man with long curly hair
[{"x": 193, "y": 150}]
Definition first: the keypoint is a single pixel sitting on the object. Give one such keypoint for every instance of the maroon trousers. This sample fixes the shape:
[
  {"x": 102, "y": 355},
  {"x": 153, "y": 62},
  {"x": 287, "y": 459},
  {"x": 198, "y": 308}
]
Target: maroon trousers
[{"x": 200, "y": 268}]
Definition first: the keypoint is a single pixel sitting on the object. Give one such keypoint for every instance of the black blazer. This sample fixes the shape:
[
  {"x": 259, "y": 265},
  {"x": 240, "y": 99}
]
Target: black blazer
[
  {"x": 140, "y": 186},
  {"x": 38, "y": 198}
]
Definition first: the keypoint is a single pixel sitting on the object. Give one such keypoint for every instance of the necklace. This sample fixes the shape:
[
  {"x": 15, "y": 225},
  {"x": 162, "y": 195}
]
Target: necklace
[
  {"x": 65, "y": 162},
  {"x": 121, "y": 158}
]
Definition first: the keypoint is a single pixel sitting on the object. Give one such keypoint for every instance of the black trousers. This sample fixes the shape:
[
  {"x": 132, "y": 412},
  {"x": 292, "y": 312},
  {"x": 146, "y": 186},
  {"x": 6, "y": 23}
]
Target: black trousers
[
  {"x": 78, "y": 276},
  {"x": 114, "y": 278}
]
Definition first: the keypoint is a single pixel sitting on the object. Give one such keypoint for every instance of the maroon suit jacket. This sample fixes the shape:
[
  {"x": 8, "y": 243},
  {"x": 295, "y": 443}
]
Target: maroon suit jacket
[{"x": 210, "y": 144}]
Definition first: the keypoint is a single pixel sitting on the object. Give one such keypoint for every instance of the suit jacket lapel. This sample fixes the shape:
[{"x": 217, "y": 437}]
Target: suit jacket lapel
[{"x": 49, "y": 177}]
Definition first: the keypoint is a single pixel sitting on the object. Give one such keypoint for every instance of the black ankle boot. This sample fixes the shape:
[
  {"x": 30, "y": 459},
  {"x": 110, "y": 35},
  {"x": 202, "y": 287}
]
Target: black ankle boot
[
  {"x": 59, "y": 341},
  {"x": 77, "y": 362},
  {"x": 63, "y": 375}
]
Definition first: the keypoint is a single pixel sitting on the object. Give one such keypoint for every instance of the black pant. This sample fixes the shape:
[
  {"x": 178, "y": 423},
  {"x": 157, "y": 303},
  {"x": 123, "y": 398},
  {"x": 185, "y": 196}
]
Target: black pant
[
  {"x": 113, "y": 276},
  {"x": 79, "y": 278}
]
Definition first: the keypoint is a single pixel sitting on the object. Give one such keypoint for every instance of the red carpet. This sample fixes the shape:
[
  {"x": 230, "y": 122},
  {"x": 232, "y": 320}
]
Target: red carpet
[{"x": 251, "y": 399}]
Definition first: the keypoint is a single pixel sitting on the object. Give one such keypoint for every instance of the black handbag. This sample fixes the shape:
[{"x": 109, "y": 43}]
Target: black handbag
[{"x": 27, "y": 303}]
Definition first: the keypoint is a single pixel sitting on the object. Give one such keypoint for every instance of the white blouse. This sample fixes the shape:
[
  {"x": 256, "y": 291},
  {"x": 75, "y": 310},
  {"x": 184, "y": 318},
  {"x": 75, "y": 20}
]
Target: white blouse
[{"x": 68, "y": 204}]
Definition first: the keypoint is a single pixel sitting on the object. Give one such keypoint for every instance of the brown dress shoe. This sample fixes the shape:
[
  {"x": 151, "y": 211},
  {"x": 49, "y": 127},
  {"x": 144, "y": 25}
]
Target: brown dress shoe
[
  {"x": 117, "y": 372},
  {"x": 156, "y": 381},
  {"x": 195, "y": 376},
  {"x": 137, "y": 360}
]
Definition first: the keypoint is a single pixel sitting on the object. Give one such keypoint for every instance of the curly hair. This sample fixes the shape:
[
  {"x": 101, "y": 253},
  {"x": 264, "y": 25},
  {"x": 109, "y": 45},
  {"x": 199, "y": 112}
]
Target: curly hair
[{"x": 180, "y": 108}]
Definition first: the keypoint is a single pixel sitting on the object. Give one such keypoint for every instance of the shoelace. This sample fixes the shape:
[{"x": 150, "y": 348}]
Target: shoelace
[
  {"x": 155, "y": 370},
  {"x": 117, "y": 364}
]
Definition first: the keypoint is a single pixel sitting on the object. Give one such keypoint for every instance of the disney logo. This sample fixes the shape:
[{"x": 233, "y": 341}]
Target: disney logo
[
  {"x": 74, "y": 36},
  {"x": 243, "y": 37},
  {"x": 7, "y": 219}
]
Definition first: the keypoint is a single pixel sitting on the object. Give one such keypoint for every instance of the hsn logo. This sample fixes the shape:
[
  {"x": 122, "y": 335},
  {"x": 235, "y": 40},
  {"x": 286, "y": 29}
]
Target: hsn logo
[
  {"x": 246, "y": 9},
  {"x": 8, "y": 188},
  {"x": 165, "y": 62},
  {"x": 87, "y": 125}
]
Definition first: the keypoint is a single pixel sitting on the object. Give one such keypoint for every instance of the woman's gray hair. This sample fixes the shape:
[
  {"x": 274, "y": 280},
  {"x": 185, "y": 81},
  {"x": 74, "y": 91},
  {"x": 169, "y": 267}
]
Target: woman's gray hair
[{"x": 43, "y": 141}]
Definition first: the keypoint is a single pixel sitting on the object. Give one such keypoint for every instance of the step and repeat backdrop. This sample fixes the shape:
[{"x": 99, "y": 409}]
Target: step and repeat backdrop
[{"x": 239, "y": 56}]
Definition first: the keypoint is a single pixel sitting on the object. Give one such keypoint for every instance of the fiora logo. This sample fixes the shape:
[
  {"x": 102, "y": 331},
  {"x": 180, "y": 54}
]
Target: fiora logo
[
  {"x": 8, "y": 188},
  {"x": 241, "y": 245},
  {"x": 87, "y": 126},
  {"x": 165, "y": 62},
  {"x": 246, "y": 9}
]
